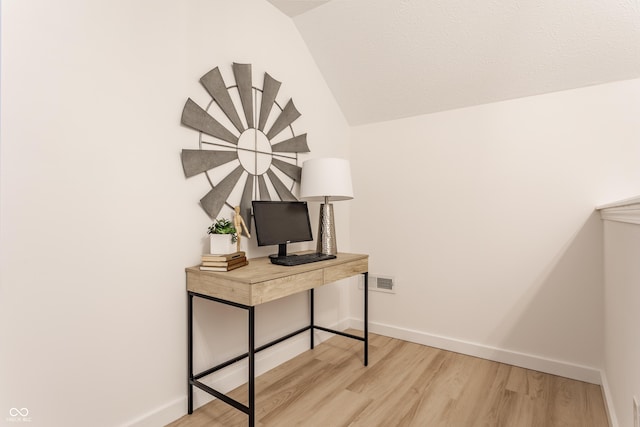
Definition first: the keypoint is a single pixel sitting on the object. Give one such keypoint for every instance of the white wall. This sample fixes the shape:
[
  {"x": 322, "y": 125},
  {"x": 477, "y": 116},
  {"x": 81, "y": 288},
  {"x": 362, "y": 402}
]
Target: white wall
[
  {"x": 622, "y": 317},
  {"x": 97, "y": 221},
  {"x": 498, "y": 248},
  {"x": 485, "y": 216}
]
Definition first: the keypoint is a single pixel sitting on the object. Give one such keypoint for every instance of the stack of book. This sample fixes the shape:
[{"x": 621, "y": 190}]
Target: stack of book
[{"x": 223, "y": 262}]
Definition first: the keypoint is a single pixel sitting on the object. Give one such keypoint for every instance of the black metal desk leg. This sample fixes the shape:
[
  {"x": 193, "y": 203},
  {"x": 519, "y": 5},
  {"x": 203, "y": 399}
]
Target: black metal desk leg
[
  {"x": 366, "y": 318},
  {"x": 252, "y": 372},
  {"x": 311, "y": 322},
  {"x": 189, "y": 353}
]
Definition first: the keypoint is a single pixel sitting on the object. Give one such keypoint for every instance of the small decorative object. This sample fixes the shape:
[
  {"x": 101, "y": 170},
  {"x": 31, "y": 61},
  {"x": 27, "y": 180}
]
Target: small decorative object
[
  {"x": 222, "y": 237},
  {"x": 326, "y": 180},
  {"x": 240, "y": 227},
  {"x": 246, "y": 139}
]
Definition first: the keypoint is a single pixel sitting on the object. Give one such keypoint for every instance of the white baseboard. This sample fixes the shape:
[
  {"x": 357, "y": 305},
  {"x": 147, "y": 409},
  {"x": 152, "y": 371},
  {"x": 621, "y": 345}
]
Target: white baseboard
[
  {"x": 608, "y": 401},
  {"x": 234, "y": 376},
  {"x": 523, "y": 360},
  {"x": 161, "y": 416}
]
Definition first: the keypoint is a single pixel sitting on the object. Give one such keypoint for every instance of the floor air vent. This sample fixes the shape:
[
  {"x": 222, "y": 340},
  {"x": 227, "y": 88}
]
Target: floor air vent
[{"x": 380, "y": 283}]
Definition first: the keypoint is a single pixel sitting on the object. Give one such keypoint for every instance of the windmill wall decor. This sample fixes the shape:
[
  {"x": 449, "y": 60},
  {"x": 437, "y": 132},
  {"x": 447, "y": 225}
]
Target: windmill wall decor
[{"x": 248, "y": 149}]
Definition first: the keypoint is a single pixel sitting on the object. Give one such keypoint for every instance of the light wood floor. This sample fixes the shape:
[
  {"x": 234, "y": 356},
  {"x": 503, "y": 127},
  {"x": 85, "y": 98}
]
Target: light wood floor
[{"x": 406, "y": 384}]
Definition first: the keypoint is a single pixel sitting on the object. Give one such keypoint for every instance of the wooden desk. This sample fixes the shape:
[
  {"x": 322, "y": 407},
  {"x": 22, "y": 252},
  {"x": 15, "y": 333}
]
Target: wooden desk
[{"x": 258, "y": 283}]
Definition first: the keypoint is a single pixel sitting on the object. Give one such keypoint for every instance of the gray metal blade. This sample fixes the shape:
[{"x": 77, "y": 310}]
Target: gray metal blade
[
  {"x": 198, "y": 161},
  {"x": 286, "y": 117},
  {"x": 214, "y": 84},
  {"x": 242, "y": 72},
  {"x": 296, "y": 144},
  {"x": 292, "y": 171},
  {"x": 262, "y": 188},
  {"x": 197, "y": 118},
  {"x": 281, "y": 189},
  {"x": 245, "y": 201},
  {"x": 213, "y": 201},
  {"x": 270, "y": 89}
]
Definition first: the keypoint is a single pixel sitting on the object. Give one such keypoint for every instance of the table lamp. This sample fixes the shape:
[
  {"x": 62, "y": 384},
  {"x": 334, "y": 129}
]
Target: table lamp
[{"x": 326, "y": 180}]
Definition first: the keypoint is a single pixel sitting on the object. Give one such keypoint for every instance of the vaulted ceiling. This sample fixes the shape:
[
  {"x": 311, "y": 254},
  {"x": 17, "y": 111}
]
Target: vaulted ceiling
[{"x": 387, "y": 59}]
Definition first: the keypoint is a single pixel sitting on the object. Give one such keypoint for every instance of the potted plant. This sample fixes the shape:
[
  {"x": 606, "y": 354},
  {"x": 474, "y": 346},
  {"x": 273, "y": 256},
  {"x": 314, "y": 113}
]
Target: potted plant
[{"x": 222, "y": 237}]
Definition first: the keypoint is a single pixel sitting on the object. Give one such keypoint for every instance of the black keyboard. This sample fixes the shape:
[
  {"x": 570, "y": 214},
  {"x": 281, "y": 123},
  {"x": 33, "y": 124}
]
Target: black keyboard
[{"x": 291, "y": 260}]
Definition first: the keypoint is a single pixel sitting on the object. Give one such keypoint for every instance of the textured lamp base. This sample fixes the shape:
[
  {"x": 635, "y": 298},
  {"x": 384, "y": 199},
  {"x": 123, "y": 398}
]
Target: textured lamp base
[{"x": 327, "y": 243}]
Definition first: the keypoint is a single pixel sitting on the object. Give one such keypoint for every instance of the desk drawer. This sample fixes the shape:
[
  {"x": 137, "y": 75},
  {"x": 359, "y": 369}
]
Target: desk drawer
[
  {"x": 277, "y": 288},
  {"x": 342, "y": 271}
]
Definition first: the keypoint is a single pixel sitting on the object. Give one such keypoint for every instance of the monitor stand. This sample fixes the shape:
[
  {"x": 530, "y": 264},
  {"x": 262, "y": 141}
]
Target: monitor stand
[{"x": 282, "y": 251}]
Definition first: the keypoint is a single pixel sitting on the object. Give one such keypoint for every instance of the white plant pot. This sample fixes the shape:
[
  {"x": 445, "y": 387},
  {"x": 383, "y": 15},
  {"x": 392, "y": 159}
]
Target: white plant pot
[{"x": 221, "y": 244}]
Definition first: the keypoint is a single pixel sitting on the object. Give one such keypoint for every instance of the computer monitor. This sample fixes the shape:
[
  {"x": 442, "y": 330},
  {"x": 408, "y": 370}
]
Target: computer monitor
[{"x": 279, "y": 223}]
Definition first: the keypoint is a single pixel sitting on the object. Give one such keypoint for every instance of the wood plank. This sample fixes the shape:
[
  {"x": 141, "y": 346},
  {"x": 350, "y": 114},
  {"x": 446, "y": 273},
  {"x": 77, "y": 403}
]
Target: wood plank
[
  {"x": 595, "y": 403},
  {"x": 393, "y": 401},
  {"x": 406, "y": 384},
  {"x": 340, "y": 409}
]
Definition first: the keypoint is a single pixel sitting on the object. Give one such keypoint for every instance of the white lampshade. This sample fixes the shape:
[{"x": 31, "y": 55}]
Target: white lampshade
[{"x": 326, "y": 177}]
